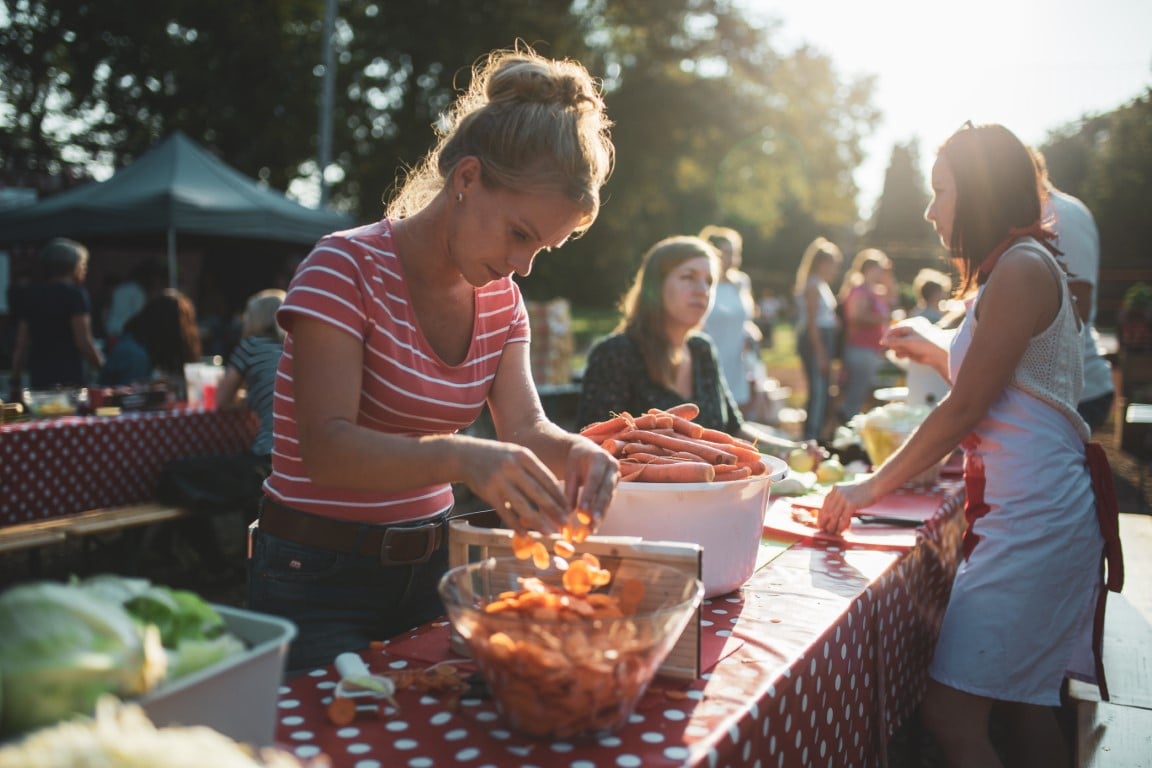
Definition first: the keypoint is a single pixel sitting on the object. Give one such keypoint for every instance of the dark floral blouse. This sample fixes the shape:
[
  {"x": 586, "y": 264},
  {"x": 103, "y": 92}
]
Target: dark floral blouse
[{"x": 615, "y": 380}]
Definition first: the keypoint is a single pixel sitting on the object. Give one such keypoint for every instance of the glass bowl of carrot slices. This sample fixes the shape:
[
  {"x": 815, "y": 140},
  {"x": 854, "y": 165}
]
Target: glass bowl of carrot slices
[{"x": 567, "y": 651}]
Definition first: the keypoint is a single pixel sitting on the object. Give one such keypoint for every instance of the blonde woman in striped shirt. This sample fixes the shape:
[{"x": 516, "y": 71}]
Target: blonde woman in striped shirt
[{"x": 398, "y": 334}]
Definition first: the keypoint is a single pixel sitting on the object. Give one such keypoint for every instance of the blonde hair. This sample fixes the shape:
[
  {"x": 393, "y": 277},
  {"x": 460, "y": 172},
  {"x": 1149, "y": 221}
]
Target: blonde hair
[
  {"x": 534, "y": 124},
  {"x": 926, "y": 277},
  {"x": 818, "y": 252},
  {"x": 642, "y": 306},
  {"x": 260, "y": 314}
]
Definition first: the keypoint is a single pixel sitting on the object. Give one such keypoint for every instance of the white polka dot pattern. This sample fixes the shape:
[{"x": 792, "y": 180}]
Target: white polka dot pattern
[
  {"x": 61, "y": 466},
  {"x": 834, "y": 652}
]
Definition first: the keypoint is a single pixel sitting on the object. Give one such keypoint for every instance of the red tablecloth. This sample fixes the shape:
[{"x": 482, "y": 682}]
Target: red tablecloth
[
  {"x": 825, "y": 656},
  {"x": 52, "y": 467}
]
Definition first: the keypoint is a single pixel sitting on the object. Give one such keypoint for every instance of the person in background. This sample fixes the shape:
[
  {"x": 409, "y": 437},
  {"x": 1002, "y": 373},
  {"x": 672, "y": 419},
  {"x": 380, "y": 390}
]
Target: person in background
[
  {"x": 398, "y": 334},
  {"x": 866, "y": 300},
  {"x": 816, "y": 327},
  {"x": 731, "y": 326},
  {"x": 128, "y": 297},
  {"x": 931, "y": 287},
  {"x": 1020, "y": 616},
  {"x": 767, "y": 315},
  {"x": 156, "y": 343},
  {"x": 54, "y": 322},
  {"x": 212, "y": 485},
  {"x": 657, "y": 357},
  {"x": 1078, "y": 241}
]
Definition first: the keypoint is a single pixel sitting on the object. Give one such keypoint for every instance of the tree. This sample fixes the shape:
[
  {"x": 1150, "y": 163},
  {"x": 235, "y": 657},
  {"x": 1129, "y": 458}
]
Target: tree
[
  {"x": 713, "y": 125},
  {"x": 1106, "y": 160},
  {"x": 898, "y": 226},
  {"x": 103, "y": 81}
]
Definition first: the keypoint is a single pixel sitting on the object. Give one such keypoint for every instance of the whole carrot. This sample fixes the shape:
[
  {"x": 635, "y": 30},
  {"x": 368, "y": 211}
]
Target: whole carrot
[
  {"x": 686, "y": 427},
  {"x": 685, "y": 410},
  {"x": 727, "y": 472},
  {"x": 607, "y": 427},
  {"x": 680, "y": 472},
  {"x": 707, "y": 453}
]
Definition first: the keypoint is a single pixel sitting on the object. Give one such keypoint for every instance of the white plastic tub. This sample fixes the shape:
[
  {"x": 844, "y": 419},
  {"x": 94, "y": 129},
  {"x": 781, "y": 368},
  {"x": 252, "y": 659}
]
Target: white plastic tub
[
  {"x": 237, "y": 696},
  {"x": 725, "y": 518}
]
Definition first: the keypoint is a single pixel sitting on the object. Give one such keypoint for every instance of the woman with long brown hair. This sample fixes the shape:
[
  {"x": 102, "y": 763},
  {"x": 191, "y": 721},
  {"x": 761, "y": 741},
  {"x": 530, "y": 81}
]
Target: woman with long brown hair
[{"x": 1020, "y": 617}]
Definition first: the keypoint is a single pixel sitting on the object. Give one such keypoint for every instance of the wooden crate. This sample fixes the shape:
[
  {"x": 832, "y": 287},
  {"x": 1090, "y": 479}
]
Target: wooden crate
[{"x": 470, "y": 543}]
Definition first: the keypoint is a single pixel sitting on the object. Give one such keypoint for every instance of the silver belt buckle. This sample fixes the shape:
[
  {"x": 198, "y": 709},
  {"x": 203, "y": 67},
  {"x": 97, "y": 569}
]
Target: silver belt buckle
[{"x": 429, "y": 531}]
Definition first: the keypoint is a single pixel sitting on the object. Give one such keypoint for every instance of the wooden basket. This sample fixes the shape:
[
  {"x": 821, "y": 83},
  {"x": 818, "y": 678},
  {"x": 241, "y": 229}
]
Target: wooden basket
[{"x": 469, "y": 543}]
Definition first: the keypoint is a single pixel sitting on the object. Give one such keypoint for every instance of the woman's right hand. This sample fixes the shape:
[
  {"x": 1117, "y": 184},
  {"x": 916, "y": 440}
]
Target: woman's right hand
[
  {"x": 913, "y": 339},
  {"x": 522, "y": 490}
]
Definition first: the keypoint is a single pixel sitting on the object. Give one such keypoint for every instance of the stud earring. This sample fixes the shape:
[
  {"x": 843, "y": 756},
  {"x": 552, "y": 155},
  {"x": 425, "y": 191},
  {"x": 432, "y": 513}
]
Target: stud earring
[{"x": 459, "y": 197}]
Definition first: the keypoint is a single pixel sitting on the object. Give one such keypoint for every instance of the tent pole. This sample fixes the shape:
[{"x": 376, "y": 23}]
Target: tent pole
[{"x": 172, "y": 278}]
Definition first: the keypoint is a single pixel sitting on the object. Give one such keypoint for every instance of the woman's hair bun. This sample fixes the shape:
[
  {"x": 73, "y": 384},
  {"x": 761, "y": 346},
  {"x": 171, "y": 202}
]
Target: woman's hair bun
[{"x": 527, "y": 80}]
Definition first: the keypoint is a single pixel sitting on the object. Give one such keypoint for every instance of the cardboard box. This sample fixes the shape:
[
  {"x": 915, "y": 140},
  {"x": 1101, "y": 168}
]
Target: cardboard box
[
  {"x": 236, "y": 696},
  {"x": 469, "y": 543}
]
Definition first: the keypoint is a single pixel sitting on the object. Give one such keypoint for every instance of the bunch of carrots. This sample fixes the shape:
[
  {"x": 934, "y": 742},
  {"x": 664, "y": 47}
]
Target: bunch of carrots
[{"x": 667, "y": 446}]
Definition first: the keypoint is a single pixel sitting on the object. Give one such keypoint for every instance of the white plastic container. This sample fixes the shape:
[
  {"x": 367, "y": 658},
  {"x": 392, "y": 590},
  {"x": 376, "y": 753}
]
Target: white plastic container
[
  {"x": 237, "y": 696},
  {"x": 725, "y": 518}
]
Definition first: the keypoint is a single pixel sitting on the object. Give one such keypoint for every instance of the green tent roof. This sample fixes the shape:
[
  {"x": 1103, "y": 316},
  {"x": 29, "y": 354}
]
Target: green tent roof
[{"x": 177, "y": 188}]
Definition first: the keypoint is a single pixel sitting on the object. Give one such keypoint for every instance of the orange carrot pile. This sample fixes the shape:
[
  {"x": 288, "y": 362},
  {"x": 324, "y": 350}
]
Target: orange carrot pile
[{"x": 667, "y": 446}]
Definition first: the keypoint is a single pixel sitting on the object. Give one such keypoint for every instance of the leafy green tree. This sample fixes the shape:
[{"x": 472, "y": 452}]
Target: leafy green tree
[
  {"x": 713, "y": 125},
  {"x": 1106, "y": 161},
  {"x": 104, "y": 80}
]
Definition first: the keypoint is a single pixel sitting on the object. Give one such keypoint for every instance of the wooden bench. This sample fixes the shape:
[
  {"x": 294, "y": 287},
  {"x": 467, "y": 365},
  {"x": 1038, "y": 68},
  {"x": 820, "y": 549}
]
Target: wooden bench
[
  {"x": 93, "y": 522},
  {"x": 1119, "y": 733}
]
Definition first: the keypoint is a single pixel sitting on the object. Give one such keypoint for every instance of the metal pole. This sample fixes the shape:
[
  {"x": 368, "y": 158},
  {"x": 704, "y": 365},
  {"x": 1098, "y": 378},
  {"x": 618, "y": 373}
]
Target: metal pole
[
  {"x": 328, "y": 87},
  {"x": 173, "y": 281}
]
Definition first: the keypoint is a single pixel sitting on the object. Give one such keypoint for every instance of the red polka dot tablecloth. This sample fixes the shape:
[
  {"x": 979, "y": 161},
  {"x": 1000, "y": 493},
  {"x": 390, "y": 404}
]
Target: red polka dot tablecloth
[
  {"x": 53, "y": 467},
  {"x": 824, "y": 654}
]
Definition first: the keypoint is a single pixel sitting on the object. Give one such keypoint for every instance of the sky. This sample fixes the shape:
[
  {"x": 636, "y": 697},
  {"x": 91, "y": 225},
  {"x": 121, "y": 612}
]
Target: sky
[{"x": 1032, "y": 66}]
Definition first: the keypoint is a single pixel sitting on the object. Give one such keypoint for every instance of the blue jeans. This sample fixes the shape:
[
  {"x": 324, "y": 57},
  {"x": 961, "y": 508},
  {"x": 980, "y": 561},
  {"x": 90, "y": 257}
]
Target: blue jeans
[
  {"x": 338, "y": 601},
  {"x": 859, "y": 378},
  {"x": 818, "y": 381}
]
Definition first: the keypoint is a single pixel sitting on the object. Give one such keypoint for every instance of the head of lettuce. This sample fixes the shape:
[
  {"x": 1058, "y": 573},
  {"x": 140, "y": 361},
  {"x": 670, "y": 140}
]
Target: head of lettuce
[{"x": 64, "y": 645}]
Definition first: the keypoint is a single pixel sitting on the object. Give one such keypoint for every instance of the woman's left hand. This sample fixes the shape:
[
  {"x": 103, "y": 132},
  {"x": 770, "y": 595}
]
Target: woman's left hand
[
  {"x": 841, "y": 503},
  {"x": 590, "y": 479}
]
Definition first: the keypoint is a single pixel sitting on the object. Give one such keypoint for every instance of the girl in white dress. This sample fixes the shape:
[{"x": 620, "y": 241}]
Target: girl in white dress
[{"x": 1020, "y": 618}]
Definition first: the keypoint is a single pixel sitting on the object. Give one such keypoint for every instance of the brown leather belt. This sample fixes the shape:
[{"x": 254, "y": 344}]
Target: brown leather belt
[{"x": 398, "y": 544}]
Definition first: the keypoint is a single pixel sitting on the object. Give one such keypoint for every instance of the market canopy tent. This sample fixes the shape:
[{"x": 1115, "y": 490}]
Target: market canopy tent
[{"x": 175, "y": 188}]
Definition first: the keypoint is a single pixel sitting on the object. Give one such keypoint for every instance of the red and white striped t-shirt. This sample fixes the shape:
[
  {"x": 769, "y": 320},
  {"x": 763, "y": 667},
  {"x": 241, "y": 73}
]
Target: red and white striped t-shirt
[{"x": 354, "y": 281}]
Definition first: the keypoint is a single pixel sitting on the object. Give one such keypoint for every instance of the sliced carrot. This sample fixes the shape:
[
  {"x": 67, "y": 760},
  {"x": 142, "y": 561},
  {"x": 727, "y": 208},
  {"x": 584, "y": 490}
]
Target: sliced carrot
[{"x": 341, "y": 711}]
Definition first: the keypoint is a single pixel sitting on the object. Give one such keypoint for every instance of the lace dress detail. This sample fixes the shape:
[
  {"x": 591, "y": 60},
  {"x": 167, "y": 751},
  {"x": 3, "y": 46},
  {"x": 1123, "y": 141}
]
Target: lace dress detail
[{"x": 1053, "y": 370}]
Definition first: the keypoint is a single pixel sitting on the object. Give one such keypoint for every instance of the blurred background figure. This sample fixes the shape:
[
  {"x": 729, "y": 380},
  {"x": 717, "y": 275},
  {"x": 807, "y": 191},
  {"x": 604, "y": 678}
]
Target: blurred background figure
[
  {"x": 658, "y": 358},
  {"x": 931, "y": 287},
  {"x": 816, "y": 327},
  {"x": 767, "y": 315},
  {"x": 730, "y": 324},
  {"x": 1079, "y": 243},
  {"x": 866, "y": 303},
  {"x": 156, "y": 343},
  {"x": 54, "y": 322},
  {"x": 128, "y": 297},
  {"x": 213, "y": 486}
]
